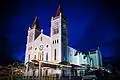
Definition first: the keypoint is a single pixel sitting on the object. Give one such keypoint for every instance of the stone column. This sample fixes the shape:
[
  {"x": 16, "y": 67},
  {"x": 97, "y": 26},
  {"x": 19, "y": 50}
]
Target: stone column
[
  {"x": 69, "y": 73},
  {"x": 39, "y": 70},
  {"x": 44, "y": 73}
]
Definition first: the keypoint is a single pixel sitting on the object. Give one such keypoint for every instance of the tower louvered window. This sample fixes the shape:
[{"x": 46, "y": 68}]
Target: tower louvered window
[
  {"x": 57, "y": 41},
  {"x": 41, "y": 38},
  {"x": 46, "y": 56},
  {"x": 55, "y": 55}
]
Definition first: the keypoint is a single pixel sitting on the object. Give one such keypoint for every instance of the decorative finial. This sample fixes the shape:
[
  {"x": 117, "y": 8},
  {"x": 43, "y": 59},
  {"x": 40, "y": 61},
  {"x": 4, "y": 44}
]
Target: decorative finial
[
  {"x": 98, "y": 48},
  {"x": 29, "y": 28},
  {"x": 41, "y": 30},
  {"x": 60, "y": 13},
  {"x": 52, "y": 18}
]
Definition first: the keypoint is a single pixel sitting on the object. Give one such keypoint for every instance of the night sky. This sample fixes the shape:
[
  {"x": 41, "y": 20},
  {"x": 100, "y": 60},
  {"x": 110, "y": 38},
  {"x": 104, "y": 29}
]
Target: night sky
[{"x": 90, "y": 24}]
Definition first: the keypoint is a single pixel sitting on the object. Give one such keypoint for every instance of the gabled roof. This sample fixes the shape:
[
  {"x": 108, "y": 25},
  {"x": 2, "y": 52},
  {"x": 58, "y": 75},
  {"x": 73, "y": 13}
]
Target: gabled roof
[{"x": 41, "y": 35}]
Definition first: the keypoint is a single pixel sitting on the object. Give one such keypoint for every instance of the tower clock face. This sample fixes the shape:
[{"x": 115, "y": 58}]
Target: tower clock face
[
  {"x": 30, "y": 36},
  {"x": 64, "y": 29},
  {"x": 64, "y": 25}
]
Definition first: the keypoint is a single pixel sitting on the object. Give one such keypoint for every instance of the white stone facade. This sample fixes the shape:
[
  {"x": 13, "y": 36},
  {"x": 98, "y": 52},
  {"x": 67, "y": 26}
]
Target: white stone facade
[{"x": 53, "y": 48}]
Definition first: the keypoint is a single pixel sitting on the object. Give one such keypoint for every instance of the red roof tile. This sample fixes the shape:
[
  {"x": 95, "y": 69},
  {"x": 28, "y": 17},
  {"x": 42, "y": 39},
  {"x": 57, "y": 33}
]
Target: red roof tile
[
  {"x": 59, "y": 11},
  {"x": 35, "y": 23}
]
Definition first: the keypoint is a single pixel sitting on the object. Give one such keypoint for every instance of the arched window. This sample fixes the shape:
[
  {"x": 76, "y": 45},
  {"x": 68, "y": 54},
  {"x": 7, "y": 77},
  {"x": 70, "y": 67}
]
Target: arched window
[
  {"x": 57, "y": 40},
  {"x": 55, "y": 55},
  {"x": 41, "y": 56},
  {"x": 35, "y": 57},
  {"x": 28, "y": 68},
  {"x": 53, "y": 42},
  {"x": 46, "y": 56},
  {"x": 38, "y": 55},
  {"x": 29, "y": 57}
]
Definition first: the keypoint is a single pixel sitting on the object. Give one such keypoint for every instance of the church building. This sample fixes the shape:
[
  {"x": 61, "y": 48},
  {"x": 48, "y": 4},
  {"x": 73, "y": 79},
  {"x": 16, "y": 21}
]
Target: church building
[{"x": 55, "y": 48}]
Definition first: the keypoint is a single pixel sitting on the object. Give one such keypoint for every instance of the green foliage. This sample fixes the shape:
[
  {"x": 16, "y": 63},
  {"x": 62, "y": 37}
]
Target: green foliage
[
  {"x": 6, "y": 77},
  {"x": 15, "y": 64},
  {"x": 9, "y": 66},
  {"x": 87, "y": 69}
]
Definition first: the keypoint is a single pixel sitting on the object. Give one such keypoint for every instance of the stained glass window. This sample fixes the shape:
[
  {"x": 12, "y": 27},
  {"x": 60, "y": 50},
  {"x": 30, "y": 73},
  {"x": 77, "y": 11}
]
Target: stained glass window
[
  {"x": 46, "y": 56},
  {"x": 35, "y": 57}
]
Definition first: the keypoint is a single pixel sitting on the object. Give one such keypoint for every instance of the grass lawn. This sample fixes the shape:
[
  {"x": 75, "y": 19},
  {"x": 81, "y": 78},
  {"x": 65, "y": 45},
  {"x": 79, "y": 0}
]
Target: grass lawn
[{"x": 6, "y": 77}]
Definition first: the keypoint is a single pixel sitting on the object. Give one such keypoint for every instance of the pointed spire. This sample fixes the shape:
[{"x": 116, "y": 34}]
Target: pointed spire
[
  {"x": 35, "y": 24},
  {"x": 59, "y": 11}
]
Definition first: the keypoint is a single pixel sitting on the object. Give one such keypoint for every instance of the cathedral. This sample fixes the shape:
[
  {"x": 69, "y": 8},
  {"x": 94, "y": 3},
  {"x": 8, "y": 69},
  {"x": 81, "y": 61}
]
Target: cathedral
[{"x": 54, "y": 48}]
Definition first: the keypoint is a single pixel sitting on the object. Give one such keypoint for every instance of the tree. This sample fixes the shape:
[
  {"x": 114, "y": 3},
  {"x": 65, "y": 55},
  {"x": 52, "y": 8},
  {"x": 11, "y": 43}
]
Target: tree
[
  {"x": 10, "y": 71},
  {"x": 15, "y": 64},
  {"x": 12, "y": 68},
  {"x": 109, "y": 68}
]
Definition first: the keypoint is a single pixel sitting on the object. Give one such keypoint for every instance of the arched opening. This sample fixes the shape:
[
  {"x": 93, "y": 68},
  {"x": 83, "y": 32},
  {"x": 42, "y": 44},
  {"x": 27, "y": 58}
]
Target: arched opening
[
  {"x": 55, "y": 55},
  {"x": 46, "y": 56}
]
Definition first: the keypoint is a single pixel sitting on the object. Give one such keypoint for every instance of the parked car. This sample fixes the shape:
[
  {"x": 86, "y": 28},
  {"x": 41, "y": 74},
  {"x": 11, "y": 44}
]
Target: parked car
[{"x": 96, "y": 75}]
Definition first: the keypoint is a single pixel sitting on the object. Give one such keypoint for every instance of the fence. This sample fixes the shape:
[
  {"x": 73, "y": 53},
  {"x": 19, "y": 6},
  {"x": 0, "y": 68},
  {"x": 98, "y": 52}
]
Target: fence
[{"x": 41, "y": 78}]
